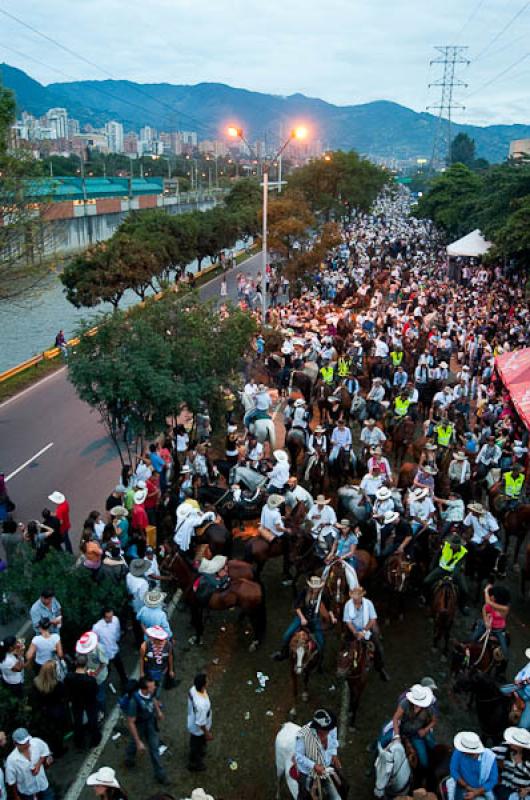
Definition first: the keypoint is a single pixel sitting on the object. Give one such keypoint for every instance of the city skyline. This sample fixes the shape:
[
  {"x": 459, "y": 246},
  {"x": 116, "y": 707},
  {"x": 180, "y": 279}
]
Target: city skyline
[{"x": 365, "y": 52}]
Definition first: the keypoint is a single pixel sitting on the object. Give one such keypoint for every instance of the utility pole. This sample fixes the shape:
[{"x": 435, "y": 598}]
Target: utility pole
[{"x": 450, "y": 57}]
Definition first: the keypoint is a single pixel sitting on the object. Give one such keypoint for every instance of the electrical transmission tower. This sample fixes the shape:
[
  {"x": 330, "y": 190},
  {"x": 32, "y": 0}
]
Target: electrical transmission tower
[{"x": 450, "y": 56}]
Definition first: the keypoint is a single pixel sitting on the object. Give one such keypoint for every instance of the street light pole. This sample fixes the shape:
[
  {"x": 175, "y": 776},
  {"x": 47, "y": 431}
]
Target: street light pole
[{"x": 264, "y": 241}]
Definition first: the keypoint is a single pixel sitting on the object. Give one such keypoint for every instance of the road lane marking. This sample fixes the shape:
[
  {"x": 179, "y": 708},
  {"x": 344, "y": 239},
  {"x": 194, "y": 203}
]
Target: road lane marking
[
  {"x": 26, "y": 463},
  {"x": 31, "y": 388}
]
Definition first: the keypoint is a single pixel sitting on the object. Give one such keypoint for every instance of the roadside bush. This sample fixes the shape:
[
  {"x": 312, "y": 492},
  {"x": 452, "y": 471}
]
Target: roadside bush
[{"x": 14, "y": 713}]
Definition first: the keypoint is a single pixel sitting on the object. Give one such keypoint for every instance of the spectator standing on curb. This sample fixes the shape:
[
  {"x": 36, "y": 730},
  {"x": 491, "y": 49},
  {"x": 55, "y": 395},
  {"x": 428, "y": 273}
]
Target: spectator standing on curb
[
  {"x": 143, "y": 715},
  {"x": 108, "y": 631},
  {"x": 82, "y": 689},
  {"x": 106, "y": 785},
  {"x": 62, "y": 512},
  {"x": 199, "y": 722},
  {"x": 25, "y": 770},
  {"x": 47, "y": 607},
  {"x": 12, "y": 665},
  {"x": 44, "y": 646},
  {"x": 98, "y": 665}
]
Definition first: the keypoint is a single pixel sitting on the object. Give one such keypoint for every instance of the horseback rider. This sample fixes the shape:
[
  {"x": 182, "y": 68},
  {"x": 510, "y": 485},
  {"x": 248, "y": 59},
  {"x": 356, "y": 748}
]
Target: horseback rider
[
  {"x": 343, "y": 366},
  {"x": 400, "y": 379},
  {"x": 401, "y": 405},
  {"x": 317, "y": 761},
  {"x": 360, "y": 619},
  {"x": 452, "y": 511},
  {"x": 421, "y": 511},
  {"x": 445, "y": 432},
  {"x": 488, "y": 457},
  {"x": 371, "y": 436},
  {"x": 345, "y": 545},
  {"x": 415, "y": 720},
  {"x": 450, "y": 563},
  {"x": 374, "y": 398},
  {"x": 323, "y": 524},
  {"x": 378, "y": 460},
  {"x": 297, "y": 494},
  {"x": 341, "y": 439},
  {"x": 317, "y": 442},
  {"x": 494, "y": 615},
  {"x": 459, "y": 473},
  {"x": 300, "y": 417},
  {"x": 262, "y": 404},
  {"x": 214, "y": 577},
  {"x": 396, "y": 535},
  {"x": 327, "y": 372},
  {"x": 521, "y": 687},
  {"x": 254, "y": 451},
  {"x": 279, "y": 475},
  {"x": 189, "y": 518},
  {"x": 512, "y": 483},
  {"x": 271, "y": 524},
  {"x": 307, "y": 606},
  {"x": 483, "y": 526}
]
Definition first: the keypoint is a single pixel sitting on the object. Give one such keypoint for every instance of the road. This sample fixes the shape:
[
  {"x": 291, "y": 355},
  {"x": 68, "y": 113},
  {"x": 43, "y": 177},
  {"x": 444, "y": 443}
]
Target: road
[{"x": 52, "y": 440}]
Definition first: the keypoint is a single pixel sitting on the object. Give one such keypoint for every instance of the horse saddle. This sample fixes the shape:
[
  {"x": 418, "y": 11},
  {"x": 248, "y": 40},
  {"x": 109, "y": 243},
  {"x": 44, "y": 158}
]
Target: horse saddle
[
  {"x": 260, "y": 415},
  {"x": 203, "y": 528}
]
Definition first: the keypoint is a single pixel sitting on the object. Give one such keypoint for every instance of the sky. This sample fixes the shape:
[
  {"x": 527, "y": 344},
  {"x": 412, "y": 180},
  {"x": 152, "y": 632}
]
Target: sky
[{"x": 343, "y": 51}]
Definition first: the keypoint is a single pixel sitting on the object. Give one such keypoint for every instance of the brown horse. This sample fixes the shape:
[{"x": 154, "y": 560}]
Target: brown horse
[
  {"x": 397, "y": 572},
  {"x": 318, "y": 474},
  {"x": 516, "y": 523},
  {"x": 258, "y": 551},
  {"x": 295, "y": 444},
  {"x": 320, "y": 396},
  {"x": 337, "y": 588},
  {"x": 354, "y": 661},
  {"x": 241, "y": 593},
  {"x": 402, "y": 438},
  {"x": 303, "y": 659},
  {"x": 443, "y": 607},
  {"x": 473, "y": 656},
  {"x": 406, "y": 476}
]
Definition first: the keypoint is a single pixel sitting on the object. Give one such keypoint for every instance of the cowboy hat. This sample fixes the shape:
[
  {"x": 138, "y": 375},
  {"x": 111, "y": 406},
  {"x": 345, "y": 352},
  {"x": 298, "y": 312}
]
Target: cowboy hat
[
  {"x": 105, "y": 776},
  {"x": 314, "y": 582},
  {"x": 430, "y": 470},
  {"x": 157, "y": 632},
  {"x": 184, "y": 470},
  {"x": 477, "y": 508},
  {"x": 323, "y": 720},
  {"x": 344, "y": 523},
  {"x": 519, "y": 737},
  {"x": 57, "y": 497},
  {"x": 377, "y": 380},
  {"x": 390, "y": 517},
  {"x": 443, "y": 364},
  {"x": 527, "y": 652},
  {"x": 119, "y": 511},
  {"x": 140, "y": 496},
  {"x": 139, "y": 567},
  {"x": 184, "y": 510},
  {"x": 383, "y": 493},
  {"x": 86, "y": 643},
  {"x": 275, "y": 500},
  {"x": 431, "y": 446},
  {"x": 460, "y": 456},
  {"x": 333, "y": 399},
  {"x": 200, "y": 794},
  {"x": 468, "y": 742},
  {"x": 280, "y": 455},
  {"x": 319, "y": 429},
  {"x": 153, "y": 598},
  {"x": 321, "y": 500},
  {"x": 299, "y": 402},
  {"x": 120, "y": 488},
  {"x": 419, "y": 695},
  {"x": 419, "y": 494},
  {"x": 140, "y": 484},
  {"x": 213, "y": 565},
  {"x": 231, "y": 429},
  {"x": 370, "y": 422}
]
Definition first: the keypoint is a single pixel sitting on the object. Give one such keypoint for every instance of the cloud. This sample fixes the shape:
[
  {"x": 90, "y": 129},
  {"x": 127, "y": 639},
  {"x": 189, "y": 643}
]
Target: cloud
[{"x": 344, "y": 51}]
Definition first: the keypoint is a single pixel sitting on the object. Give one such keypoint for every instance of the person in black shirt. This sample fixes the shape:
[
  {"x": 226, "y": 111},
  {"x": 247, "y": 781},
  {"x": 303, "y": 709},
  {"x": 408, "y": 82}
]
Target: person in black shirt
[
  {"x": 81, "y": 689},
  {"x": 307, "y": 607},
  {"x": 396, "y": 535},
  {"x": 53, "y": 522}
]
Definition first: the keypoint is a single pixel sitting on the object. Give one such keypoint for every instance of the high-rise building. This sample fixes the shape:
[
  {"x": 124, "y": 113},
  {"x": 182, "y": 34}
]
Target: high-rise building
[
  {"x": 114, "y": 131},
  {"x": 188, "y": 138},
  {"x": 57, "y": 119},
  {"x": 147, "y": 133},
  {"x": 73, "y": 127}
]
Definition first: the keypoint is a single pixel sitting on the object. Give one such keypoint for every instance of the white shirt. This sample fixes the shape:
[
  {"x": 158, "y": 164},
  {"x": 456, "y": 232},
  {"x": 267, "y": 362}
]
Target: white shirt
[
  {"x": 422, "y": 509},
  {"x": 109, "y": 636},
  {"x": 185, "y": 527},
  {"x": 270, "y": 519},
  {"x": 359, "y": 617},
  {"x": 482, "y": 526},
  {"x": 45, "y": 647},
  {"x": 199, "y": 712},
  {"x": 322, "y": 520},
  {"x": 299, "y": 495},
  {"x": 279, "y": 475},
  {"x": 136, "y": 587},
  {"x": 18, "y": 768},
  {"x": 341, "y": 437},
  {"x": 524, "y": 673},
  {"x": 381, "y": 349},
  {"x": 489, "y": 454},
  {"x": 371, "y": 483},
  {"x": 13, "y": 678},
  {"x": 255, "y": 453},
  {"x": 371, "y": 437}
]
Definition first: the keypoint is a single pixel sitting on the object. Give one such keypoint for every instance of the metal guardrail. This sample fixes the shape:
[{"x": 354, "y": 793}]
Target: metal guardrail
[{"x": 55, "y": 352}]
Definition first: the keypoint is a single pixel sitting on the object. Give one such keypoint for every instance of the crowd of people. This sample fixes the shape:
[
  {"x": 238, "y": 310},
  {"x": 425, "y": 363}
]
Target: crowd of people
[{"x": 402, "y": 456}]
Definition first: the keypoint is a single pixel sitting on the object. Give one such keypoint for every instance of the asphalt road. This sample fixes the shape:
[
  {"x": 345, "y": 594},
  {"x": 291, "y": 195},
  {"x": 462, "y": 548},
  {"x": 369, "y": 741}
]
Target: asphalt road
[{"x": 52, "y": 440}]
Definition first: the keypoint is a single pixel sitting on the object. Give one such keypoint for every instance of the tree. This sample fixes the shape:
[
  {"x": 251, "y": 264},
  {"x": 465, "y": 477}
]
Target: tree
[
  {"x": 462, "y": 150},
  {"x": 93, "y": 277},
  {"x": 289, "y": 222},
  {"x": 513, "y": 238},
  {"x": 452, "y": 200},
  {"x": 24, "y": 231}
]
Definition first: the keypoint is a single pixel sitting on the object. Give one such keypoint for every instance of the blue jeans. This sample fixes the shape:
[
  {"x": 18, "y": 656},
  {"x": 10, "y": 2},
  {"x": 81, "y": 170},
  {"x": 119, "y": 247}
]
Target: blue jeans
[
  {"x": 315, "y": 626},
  {"x": 460, "y": 791},
  {"x": 149, "y": 735},
  {"x": 480, "y": 629},
  {"x": 524, "y": 694},
  {"x": 422, "y": 747}
]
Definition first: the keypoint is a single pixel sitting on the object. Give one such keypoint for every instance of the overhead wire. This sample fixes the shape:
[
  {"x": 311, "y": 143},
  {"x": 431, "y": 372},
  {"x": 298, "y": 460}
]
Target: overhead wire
[
  {"x": 499, "y": 75},
  {"x": 471, "y": 16},
  {"x": 501, "y": 32}
]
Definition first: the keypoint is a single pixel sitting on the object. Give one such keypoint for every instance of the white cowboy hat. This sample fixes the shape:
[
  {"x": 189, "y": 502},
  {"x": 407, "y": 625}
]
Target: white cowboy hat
[
  {"x": 321, "y": 500},
  {"x": 319, "y": 429},
  {"x": 184, "y": 470},
  {"x": 86, "y": 643},
  {"x": 280, "y": 455},
  {"x": 520, "y": 737},
  {"x": 460, "y": 456},
  {"x": 105, "y": 776},
  {"x": 377, "y": 380},
  {"x": 184, "y": 510},
  {"x": 139, "y": 567},
  {"x": 157, "y": 632},
  {"x": 153, "y": 598},
  {"x": 231, "y": 429},
  {"x": 275, "y": 500},
  {"x": 370, "y": 422},
  {"x": 299, "y": 402},
  {"x": 468, "y": 742},
  {"x": 419, "y": 695},
  {"x": 344, "y": 523},
  {"x": 140, "y": 485},
  {"x": 139, "y": 497},
  {"x": 57, "y": 497},
  {"x": 120, "y": 488},
  {"x": 477, "y": 508},
  {"x": 383, "y": 493},
  {"x": 430, "y": 470},
  {"x": 333, "y": 399},
  {"x": 315, "y": 582},
  {"x": 212, "y": 566},
  {"x": 444, "y": 364},
  {"x": 419, "y": 494},
  {"x": 527, "y": 652},
  {"x": 390, "y": 516},
  {"x": 119, "y": 511},
  {"x": 200, "y": 794}
]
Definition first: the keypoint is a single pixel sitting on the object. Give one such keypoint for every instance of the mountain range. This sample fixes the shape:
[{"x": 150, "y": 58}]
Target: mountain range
[{"x": 379, "y": 129}]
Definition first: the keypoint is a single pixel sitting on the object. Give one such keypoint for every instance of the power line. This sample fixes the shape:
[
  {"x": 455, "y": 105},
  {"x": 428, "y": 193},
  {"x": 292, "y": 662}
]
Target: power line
[
  {"x": 471, "y": 16},
  {"x": 500, "y": 74},
  {"x": 451, "y": 55},
  {"x": 502, "y": 31},
  {"x": 100, "y": 69}
]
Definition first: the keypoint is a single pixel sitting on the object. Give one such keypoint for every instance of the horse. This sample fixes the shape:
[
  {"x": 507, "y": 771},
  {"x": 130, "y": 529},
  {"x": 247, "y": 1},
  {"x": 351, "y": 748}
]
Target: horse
[
  {"x": 351, "y": 501},
  {"x": 248, "y": 508},
  {"x": 303, "y": 659},
  {"x": 241, "y": 593},
  {"x": 264, "y": 430},
  {"x": 484, "y": 562},
  {"x": 492, "y": 706},
  {"x": 354, "y": 661},
  {"x": 337, "y": 588},
  {"x": 217, "y": 537},
  {"x": 516, "y": 522},
  {"x": 284, "y": 747},
  {"x": 247, "y": 476},
  {"x": 483, "y": 656},
  {"x": 525, "y": 572},
  {"x": 322, "y": 392},
  {"x": 304, "y": 380},
  {"x": 258, "y": 551},
  {"x": 316, "y": 474},
  {"x": 393, "y": 775},
  {"x": 402, "y": 437},
  {"x": 295, "y": 444},
  {"x": 443, "y": 607},
  {"x": 397, "y": 571}
]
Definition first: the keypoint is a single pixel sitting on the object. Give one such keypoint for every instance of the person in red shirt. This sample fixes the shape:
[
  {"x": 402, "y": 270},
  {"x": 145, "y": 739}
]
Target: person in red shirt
[
  {"x": 494, "y": 615},
  {"x": 62, "y": 512},
  {"x": 139, "y": 518},
  {"x": 153, "y": 497}
]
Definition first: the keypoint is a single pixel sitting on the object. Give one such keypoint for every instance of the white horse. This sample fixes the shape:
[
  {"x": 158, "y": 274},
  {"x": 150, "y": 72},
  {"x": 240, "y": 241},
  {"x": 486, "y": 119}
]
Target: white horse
[
  {"x": 284, "y": 747},
  {"x": 263, "y": 429},
  {"x": 392, "y": 770},
  {"x": 252, "y": 479}
]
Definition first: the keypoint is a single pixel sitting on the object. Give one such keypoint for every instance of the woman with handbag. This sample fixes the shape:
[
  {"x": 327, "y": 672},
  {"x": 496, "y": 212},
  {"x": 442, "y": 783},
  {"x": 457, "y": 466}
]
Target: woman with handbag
[
  {"x": 44, "y": 646},
  {"x": 48, "y": 702}
]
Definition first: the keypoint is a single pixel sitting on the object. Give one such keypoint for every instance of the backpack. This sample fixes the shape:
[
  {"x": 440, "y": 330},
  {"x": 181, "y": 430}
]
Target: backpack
[{"x": 125, "y": 699}]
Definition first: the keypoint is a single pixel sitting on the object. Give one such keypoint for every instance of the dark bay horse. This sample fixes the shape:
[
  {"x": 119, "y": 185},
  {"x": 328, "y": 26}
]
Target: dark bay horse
[
  {"x": 303, "y": 660},
  {"x": 354, "y": 662},
  {"x": 397, "y": 571},
  {"x": 443, "y": 607},
  {"x": 494, "y": 709},
  {"x": 241, "y": 593},
  {"x": 402, "y": 437}
]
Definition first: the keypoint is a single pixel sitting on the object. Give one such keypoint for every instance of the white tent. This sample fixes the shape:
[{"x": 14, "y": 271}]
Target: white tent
[{"x": 472, "y": 246}]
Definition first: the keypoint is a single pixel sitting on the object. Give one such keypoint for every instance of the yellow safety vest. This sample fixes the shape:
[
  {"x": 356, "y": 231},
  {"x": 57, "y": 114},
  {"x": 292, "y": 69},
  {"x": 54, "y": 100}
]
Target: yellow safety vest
[
  {"x": 513, "y": 486},
  {"x": 397, "y": 358},
  {"x": 343, "y": 367},
  {"x": 449, "y": 559},
  {"x": 327, "y": 374},
  {"x": 401, "y": 406},
  {"x": 444, "y": 435}
]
